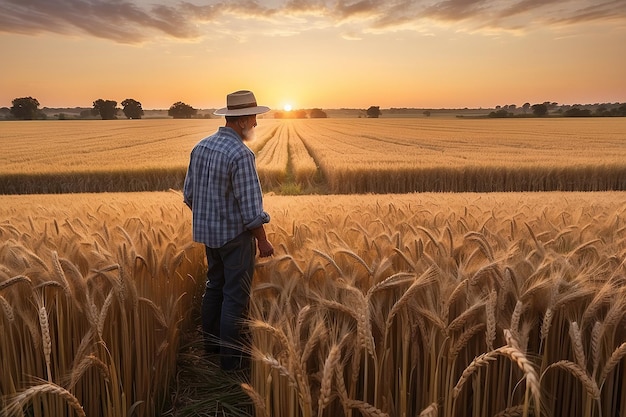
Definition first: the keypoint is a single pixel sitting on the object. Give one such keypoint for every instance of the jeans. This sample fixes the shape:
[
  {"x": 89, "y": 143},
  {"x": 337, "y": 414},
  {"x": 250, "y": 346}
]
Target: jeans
[{"x": 226, "y": 298}]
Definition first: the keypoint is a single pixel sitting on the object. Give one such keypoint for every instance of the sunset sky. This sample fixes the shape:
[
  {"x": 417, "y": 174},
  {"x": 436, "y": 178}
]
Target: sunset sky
[{"x": 314, "y": 53}]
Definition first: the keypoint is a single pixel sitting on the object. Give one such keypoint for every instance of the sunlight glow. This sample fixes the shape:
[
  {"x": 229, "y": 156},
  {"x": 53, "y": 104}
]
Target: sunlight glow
[{"x": 287, "y": 107}]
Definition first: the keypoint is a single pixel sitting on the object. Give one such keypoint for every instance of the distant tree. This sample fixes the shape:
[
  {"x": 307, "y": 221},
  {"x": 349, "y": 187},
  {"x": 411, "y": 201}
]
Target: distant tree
[
  {"x": 540, "y": 110},
  {"x": 180, "y": 110},
  {"x": 132, "y": 109},
  {"x": 500, "y": 114},
  {"x": 317, "y": 114},
  {"x": 374, "y": 112},
  {"x": 107, "y": 109},
  {"x": 576, "y": 112},
  {"x": 4, "y": 112},
  {"x": 526, "y": 107},
  {"x": 298, "y": 114},
  {"x": 426, "y": 113},
  {"x": 25, "y": 108},
  {"x": 601, "y": 111}
]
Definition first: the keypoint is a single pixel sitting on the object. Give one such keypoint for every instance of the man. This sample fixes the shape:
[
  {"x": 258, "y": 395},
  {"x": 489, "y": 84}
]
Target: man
[{"x": 223, "y": 191}]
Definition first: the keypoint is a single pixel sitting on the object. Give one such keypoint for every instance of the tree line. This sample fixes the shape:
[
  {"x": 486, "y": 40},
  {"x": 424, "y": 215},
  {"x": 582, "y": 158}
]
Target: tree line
[
  {"x": 544, "y": 109},
  {"x": 27, "y": 108}
]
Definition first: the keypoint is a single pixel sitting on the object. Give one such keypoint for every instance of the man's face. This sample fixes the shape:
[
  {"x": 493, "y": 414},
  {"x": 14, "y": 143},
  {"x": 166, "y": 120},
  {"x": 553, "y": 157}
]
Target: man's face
[{"x": 247, "y": 128}]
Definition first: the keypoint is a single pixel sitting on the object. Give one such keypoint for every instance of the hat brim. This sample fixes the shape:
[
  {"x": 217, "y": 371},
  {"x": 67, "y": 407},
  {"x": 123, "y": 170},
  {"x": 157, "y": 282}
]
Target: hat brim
[{"x": 248, "y": 111}]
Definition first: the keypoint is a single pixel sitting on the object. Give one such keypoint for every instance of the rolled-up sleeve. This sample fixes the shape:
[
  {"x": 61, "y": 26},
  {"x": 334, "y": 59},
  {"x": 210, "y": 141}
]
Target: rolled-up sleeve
[
  {"x": 188, "y": 187},
  {"x": 247, "y": 191}
]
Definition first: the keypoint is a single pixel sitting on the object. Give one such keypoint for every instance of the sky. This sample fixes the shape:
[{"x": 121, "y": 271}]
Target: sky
[{"x": 314, "y": 53}]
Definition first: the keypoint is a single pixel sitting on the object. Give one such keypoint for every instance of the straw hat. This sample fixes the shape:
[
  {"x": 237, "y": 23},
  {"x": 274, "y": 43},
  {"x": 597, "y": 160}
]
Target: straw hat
[{"x": 241, "y": 103}]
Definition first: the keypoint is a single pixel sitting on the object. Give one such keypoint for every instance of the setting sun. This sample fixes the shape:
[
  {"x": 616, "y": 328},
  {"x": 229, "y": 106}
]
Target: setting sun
[{"x": 287, "y": 107}]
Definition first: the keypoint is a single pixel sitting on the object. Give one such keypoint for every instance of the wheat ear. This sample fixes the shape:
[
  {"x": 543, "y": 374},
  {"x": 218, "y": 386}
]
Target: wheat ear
[
  {"x": 573, "y": 368},
  {"x": 330, "y": 365},
  {"x": 8, "y": 310},
  {"x": 615, "y": 358},
  {"x": 366, "y": 409},
  {"x": 577, "y": 345},
  {"x": 596, "y": 335},
  {"x": 16, "y": 404},
  {"x": 46, "y": 339},
  {"x": 516, "y": 316},
  {"x": 546, "y": 323},
  {"x": 479, "y": 361},
  {"x": 256, "y": 399},
  {"x": 430, "y": 411},
  {"x": 464, "y": 338},
  {"x": 15, "y": 280},
  {"x": 490, "y": 307}
]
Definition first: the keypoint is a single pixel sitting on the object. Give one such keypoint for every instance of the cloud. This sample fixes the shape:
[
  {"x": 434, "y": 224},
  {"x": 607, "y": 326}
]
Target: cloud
[
  {"x": 127, "y": 21},
  {"x": 118, "y": 20}
]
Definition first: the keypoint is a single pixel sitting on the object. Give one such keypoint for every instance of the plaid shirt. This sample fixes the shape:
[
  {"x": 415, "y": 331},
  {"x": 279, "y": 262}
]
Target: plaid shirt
[{"x": 222, "y": 189}]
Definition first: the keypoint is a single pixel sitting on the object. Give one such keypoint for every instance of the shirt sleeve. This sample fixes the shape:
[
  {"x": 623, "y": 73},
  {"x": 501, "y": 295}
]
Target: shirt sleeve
[
  {"x": 247, "y": 191},
  {"x": 188, "y": 186}
]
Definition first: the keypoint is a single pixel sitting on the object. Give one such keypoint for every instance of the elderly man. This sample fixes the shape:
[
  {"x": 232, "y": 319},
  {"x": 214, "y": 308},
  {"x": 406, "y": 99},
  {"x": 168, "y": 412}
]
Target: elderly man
[{"x": 223, "y": 191}]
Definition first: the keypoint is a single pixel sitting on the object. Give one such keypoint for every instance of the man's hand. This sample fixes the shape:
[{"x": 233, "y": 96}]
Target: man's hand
[{"x": 265, "y": 248}]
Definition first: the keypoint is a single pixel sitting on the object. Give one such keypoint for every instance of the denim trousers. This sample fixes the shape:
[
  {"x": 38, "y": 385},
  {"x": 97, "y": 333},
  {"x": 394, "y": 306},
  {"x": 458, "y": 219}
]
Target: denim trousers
[{"x": 226, "y": 298}]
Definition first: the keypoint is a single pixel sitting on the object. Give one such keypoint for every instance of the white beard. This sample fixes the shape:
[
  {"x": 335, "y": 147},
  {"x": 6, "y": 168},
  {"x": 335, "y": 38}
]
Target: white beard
[{"x": 248, "y": 135}]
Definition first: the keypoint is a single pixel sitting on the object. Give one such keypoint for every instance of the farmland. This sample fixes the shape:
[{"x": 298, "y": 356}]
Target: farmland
[
  {"x": 431, "y": 304},
  {"x": 339, "y": 156}
]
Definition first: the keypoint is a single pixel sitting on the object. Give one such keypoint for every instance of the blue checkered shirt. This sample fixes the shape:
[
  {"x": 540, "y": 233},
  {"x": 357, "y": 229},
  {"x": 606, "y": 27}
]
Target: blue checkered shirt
[{"x": 222, "y": 189}]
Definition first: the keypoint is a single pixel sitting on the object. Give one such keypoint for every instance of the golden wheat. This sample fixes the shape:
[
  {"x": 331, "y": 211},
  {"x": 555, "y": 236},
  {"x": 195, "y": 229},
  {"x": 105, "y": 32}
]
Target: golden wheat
[
  {"x": 394, "y": 291},
  {"x": 75, "y": 297}
]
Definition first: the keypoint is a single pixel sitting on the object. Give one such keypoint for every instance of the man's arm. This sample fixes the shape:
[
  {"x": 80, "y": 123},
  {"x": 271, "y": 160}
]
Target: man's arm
[{"x": 265, "y": 247}]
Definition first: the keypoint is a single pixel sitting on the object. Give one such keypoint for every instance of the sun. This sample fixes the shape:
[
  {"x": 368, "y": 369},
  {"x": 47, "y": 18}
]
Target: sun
[{"x": 287, "y": 107}]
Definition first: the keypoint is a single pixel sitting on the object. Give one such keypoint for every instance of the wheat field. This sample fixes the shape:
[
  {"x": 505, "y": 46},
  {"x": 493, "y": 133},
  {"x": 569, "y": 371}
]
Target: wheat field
[
  {"x": 465, "y": 304},
  {"x": 336, "y": 156},
  {"x": 95, "y": 293}
]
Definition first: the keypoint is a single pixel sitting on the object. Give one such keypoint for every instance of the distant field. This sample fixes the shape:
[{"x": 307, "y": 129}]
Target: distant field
[{"x": 323, "y": 155}]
